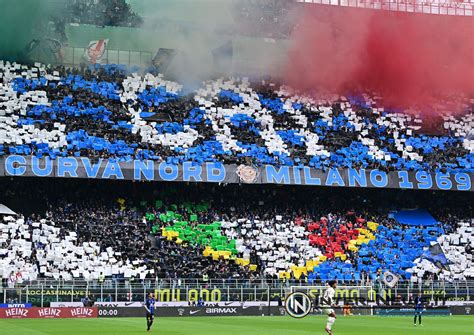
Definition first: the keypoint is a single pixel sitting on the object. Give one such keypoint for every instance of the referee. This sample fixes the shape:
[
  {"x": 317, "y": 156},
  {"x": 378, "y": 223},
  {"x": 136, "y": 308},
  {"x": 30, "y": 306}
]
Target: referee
[{"x": 150, "y": 311}]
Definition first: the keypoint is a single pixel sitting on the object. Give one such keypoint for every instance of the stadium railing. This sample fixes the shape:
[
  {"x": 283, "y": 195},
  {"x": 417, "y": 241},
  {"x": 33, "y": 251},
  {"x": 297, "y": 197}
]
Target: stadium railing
[
  {"x": 43, "y": 292},
  {"x": 74, "y": 56}
]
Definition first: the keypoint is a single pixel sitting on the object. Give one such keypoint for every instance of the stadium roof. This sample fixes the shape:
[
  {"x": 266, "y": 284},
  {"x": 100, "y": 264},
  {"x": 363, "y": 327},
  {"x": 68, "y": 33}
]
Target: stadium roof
[
  {"x": 4, "y": 210},
  {"x": 440, "y": 7}
]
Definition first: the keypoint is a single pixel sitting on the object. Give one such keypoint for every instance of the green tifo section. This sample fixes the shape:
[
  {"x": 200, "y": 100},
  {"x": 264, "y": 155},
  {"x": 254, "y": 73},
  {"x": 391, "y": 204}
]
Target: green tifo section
[
  {"x": 189, "y": 231},
  {"x": 355, "y": 325},
  {"x": 203, "y": 234}
]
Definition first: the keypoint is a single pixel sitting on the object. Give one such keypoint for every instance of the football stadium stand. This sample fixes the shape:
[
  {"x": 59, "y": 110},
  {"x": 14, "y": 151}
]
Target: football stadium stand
[
  {"x": 269, "y": 164},
  {"x": 109, "y": 113},
  {"x": 288, "y": 234}
]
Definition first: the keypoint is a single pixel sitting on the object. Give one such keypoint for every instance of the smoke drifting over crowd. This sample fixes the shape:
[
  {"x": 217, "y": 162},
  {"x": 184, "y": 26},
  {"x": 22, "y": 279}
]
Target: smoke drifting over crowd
[
  {"x": 189, "y": 28},
  {"x": 409, "y": 58},
  {"x": 222, "y": 37},
  {"x": 20, "y": 22}
]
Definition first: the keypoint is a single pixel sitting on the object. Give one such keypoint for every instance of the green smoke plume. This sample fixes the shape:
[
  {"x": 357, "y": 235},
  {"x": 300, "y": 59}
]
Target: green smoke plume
[{"x": 21, "y": 21}]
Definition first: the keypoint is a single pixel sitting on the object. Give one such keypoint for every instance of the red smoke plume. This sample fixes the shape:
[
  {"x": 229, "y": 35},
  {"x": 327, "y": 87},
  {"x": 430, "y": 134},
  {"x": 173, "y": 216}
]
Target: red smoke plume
[{"x": 408, "y": 58}]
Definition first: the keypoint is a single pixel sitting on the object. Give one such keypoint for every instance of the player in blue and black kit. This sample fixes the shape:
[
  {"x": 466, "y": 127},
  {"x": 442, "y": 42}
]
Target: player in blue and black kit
[
  {"x": 150, "y": 311},
  {"x": 418, "y": 309}
]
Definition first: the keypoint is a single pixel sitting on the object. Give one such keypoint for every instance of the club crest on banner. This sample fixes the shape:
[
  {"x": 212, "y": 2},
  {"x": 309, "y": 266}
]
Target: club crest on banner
[
  {"x": 390, "y": 279},
  {"x": 95, "y": 51},
  {"x": 247, "y": 174}
]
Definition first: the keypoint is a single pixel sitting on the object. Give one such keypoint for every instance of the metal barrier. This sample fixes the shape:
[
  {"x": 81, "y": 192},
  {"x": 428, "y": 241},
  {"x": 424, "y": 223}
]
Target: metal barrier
[
  {"x": 42, "y": 292},
  {"x": 459, "y": 8},
  {"x": 74, "y": 56}
]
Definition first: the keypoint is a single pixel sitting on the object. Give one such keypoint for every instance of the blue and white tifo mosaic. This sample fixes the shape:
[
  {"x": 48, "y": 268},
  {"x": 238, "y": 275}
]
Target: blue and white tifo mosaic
[{"x": 108, "y": 113}]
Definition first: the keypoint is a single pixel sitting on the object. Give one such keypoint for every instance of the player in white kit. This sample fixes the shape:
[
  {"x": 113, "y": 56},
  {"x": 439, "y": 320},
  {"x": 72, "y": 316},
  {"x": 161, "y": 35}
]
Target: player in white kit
[{"x": 328, "y": 304}]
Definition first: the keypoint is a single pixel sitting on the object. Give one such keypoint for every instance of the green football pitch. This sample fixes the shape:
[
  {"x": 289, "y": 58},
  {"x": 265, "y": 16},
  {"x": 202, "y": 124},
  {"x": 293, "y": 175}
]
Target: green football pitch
[{"x": 451, "y": 325}]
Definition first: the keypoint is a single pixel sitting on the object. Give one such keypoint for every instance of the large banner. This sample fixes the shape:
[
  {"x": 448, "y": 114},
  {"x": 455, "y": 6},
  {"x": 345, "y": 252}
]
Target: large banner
[
  {"x": 192, "y": 311},
  {"x": 109, "y": 312},
  {"x": 462, "y": 310},
  {"x": 48, "y": 312},
  {"x": 16, "y": 305},
  {"x": 114, "y": 304},
  {"x": 82, "y": 167},
  {"x": 387, "y": 311}
]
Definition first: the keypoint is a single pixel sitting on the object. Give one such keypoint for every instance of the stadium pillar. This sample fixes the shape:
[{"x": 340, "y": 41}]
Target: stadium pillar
[
  {"x": 444, "y": 291},
  {"x": 241, "y": 293},
  {"x": 116, "y": 291},
  {"x": 268, "y": 301},
  {"x": 228, "y": 292},
  {"x": 372, "y": 307},
  {"x": 255, "y": 293},
  {"x": 432, "y": 290},
  {"x": 26, "y": 299},
  {"x": 41, "y": 295}
]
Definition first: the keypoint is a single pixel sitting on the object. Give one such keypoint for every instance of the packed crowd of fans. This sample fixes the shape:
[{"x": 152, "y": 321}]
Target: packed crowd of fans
[
  {"x": 267, "y": 18},
  {"x": 143, "y": 231},
  {"x": 102, "y": 13},
  {"x": 151, "y": 231},
  {"x": 111, "y": 113}
]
